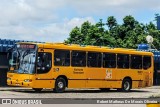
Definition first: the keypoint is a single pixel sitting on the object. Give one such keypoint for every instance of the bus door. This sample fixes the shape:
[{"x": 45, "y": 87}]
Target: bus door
[{"x": 44, "y": 75}]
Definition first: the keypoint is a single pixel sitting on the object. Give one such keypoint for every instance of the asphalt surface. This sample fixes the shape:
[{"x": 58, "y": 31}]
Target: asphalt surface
[{"x": 20, "y": 92}]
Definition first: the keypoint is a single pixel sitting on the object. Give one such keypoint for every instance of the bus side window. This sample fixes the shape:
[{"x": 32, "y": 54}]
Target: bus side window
[
  {"x": 123, "y": 61},
  {"x": 61, "y": 57},
  {"x": 146, "y": 62},
  {"x": 136, "y": 61},
  {"x": 44, "y": 62},
  {"x": 94, "y": 59},
  {"x": 109, "y": 60},
  {"x": 78, "y": 58}
]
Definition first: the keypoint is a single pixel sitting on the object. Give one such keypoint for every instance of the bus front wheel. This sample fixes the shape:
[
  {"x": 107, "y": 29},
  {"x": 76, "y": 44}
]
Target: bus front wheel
[
  {"x": 60, "y": 85},
  {"x": 126, "y": 85}
]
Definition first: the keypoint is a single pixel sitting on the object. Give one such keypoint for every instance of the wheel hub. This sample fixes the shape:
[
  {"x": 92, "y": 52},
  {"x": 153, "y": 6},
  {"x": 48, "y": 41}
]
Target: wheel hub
[
  {"x": 60, "y": 84},
  {"x": 126, "y": 85}
]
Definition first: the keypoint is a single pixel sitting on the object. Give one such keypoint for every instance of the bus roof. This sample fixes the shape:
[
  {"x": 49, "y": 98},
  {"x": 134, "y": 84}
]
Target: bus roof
[{"x": 88, "y": 48}]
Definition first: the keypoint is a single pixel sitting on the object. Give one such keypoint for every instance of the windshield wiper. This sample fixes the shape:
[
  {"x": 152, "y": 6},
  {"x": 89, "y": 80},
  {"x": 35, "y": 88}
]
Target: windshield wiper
[{"x": 26, "y": 53}]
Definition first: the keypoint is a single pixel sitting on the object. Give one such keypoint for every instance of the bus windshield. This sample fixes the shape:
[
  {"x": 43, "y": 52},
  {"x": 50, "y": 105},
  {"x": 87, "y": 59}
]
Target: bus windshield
[{"x": 23, "y": 59}]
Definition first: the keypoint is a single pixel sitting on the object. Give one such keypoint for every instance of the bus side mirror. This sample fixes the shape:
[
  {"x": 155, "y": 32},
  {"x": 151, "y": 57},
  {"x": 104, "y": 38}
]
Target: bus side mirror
[{"x": 11, "y": 68}]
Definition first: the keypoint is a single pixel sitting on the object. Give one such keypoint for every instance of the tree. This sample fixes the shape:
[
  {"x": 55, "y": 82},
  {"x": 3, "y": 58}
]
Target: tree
[
  {"x": 85, "y": 27},
  {"x": 94, "y": 37},
  {"x": 129, "y": 22},
  {"x": 75, "y": 36},
  {"x": 127, "y": 35},
  {"x": 85, "y": 31},
  {"x": 111, "y": 22}
]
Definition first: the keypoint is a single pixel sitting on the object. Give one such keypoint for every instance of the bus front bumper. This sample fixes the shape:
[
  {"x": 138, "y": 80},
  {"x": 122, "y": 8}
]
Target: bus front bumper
[
  {"x": 31, "y": 83},
  {"x": 19, "y": 83}
]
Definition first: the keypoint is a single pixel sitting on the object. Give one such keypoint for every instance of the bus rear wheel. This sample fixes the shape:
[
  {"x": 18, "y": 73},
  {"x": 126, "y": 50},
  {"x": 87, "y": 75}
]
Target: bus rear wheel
[
  {"x": 60, "y": 85},
  {"x": 37, "y": 89},
  {"x": 126, "y": 85}
]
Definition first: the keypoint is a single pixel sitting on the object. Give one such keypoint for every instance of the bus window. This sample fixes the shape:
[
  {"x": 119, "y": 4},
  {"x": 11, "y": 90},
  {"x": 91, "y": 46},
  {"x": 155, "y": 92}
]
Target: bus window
[
  {"x": 146, "y": 62},
  {"x": 109, "y": 60},
  {"x": 78, "y": 58},
  {"x": 62, "y": 58},
  {"x": 44, "y": 62},
  {"x": 94, "y": 59},
  {"x": 122, "y": 61},
  {"x": 136, "y": 61}
]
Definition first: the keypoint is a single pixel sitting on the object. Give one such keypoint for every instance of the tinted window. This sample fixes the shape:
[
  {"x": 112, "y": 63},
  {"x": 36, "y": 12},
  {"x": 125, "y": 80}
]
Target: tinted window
[
  {"x": 44, "y": 62},
  {"x": 61, "y": 57},
  {"x": 109, "y": 60},
  {"x": 94, "y": 59},
  {"x": 122, "y": 61},
  {"x": 146, "y": 62},
  {"x": 136, "y": 62},
  {"x": 79, "y": 58}
]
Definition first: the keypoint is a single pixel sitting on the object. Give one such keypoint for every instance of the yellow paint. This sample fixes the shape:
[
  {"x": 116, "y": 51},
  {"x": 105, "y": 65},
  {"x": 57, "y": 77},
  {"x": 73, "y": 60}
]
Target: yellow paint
[
  {"x": 88, "y": 77},
  {"x": 11, "y": 68},
  {"x": 152, "y": 105}
]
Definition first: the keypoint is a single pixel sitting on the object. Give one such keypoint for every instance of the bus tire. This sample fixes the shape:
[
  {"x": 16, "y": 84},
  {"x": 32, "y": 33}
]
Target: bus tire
[
  {"x": 126, "y": 85},
  {"x": 37, "y": 89},
  {"x": 104, "y": 89},
  {"x": 60, "y": 85}
]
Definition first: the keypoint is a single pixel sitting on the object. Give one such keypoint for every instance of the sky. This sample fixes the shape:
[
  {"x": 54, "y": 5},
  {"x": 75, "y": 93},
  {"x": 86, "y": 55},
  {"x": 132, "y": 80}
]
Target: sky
[{"x": 52, "y": 20}]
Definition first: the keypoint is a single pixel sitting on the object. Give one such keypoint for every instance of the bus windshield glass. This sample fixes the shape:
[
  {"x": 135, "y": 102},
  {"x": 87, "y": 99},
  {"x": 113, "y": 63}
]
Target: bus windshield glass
[{"x": 23, "y": 58}]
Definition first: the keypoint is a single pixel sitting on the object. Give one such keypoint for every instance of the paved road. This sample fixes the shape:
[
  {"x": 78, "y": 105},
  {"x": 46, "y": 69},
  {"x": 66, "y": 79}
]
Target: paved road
[{"x": 16, "y": 92}]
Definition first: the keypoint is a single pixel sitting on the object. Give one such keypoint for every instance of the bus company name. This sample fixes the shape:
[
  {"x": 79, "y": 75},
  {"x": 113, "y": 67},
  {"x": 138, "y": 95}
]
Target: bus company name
[{"x": 78, "y": 71}]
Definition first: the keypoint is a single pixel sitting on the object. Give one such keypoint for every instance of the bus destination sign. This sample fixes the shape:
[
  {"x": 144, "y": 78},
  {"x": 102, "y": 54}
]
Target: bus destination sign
[{"x": 27, "y": 46}]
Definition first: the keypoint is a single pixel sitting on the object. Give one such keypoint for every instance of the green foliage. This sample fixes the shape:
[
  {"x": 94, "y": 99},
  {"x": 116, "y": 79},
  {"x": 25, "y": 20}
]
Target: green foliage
[
  {"x": 126, "y": 35},
  {"x": 111, "y": 22}
]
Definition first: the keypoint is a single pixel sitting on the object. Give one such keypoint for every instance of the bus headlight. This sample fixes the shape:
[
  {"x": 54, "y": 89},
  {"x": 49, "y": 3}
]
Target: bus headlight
[
  {"x": 27, "y": 80},
  {"x": 8, "y": 78}
]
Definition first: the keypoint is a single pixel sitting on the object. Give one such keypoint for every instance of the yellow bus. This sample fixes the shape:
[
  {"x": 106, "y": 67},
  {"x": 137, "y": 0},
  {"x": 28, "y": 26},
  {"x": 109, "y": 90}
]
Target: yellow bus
[{"x": 60, "y": 66}]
